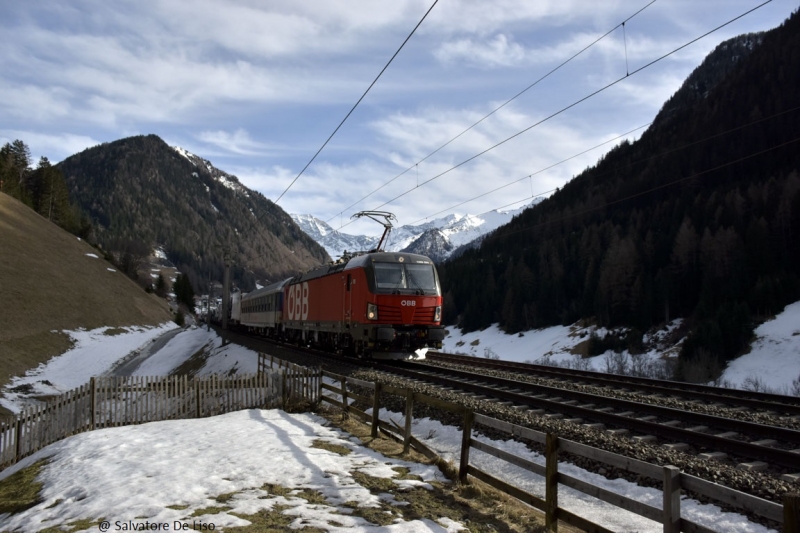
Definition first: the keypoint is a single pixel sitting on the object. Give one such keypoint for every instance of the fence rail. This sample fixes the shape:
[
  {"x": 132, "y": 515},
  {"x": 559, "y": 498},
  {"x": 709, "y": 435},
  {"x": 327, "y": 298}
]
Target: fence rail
[
  {"x": 672, "y": 479},
  {"x": 110, "y": 401},
  {"x": 117, "y": 401}
]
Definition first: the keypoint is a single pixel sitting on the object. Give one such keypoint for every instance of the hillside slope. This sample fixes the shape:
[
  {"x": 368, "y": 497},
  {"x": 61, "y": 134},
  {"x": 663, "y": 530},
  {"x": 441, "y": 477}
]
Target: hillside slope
[
  {"x": 699, "y": 218},
  {"x": 52, "y": 281}
]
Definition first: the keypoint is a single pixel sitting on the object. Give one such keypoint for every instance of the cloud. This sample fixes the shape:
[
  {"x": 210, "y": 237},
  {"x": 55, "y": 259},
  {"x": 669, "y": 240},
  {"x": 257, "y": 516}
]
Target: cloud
[
  {"x": 495, "y": 52},
  {"x": 55, "y": 147},
  {"x": 238, "y": 142}
]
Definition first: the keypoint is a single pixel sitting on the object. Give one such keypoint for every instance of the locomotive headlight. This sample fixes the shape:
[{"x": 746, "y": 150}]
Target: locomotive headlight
[
  {"x": 437, "y": 315},
  {"x": 372, "y": 312}
]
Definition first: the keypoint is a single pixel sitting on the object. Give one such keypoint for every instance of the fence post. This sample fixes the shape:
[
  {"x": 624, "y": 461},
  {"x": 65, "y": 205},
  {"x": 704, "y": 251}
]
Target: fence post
[
  {"x": 672, "y": 499},
  {"x": 196, "y": 397},
  {"x": 376, "y": 408},
  {"x": 551, "y": 483},
  {"x": 409, "y": 418},
  {"x": 283, "y": 390},
  {"x": 93, "y": 385},
  {"x": 791, "y": 512},
  {"x": 319, "y": 385},
  {"x": 344, "y": 396},
  {"x": 466, "y": 437},
  {"x": 18, "y": 443}
]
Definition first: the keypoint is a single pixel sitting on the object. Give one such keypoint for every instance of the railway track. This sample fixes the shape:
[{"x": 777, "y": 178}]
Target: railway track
[
  {"x": 741, "y": 400},
  {"x": 662, "y": 427},
  {"x": 750, "y": 445}
]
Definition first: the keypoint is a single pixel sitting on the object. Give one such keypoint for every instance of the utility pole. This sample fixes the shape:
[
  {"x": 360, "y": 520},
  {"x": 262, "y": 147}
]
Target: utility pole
[{"x": 226, "y": 290}]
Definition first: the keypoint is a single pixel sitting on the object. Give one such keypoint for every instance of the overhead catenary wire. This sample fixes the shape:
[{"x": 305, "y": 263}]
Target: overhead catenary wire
[
  {"x": 358, "y": 102},
  {"x": 530, "y": 176},
  {"x": 631, "y": 164},
  {"x": 260, "y": 217},
  {"x": 495, "y": 110},
  {"x": 652, "y": 189},
  {"x": 570, "y": 106}
]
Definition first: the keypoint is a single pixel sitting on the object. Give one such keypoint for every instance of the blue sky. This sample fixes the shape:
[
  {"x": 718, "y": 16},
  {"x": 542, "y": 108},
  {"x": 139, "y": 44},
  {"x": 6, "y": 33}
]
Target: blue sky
[{"x": 257, "y": 86}]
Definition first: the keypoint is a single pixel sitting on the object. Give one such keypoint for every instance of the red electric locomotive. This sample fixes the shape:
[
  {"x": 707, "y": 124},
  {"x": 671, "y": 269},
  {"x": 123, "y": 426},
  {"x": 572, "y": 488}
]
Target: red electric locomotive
[
  {"x": 377, "y": 304},
  {"x": 380, "y": 304}
]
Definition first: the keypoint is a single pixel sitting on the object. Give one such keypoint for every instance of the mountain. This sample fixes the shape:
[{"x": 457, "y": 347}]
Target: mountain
[
  {"x": 698, "y": 219},
  {"x": 143, "y": 195},
  {"x": 437, "y": 239}
]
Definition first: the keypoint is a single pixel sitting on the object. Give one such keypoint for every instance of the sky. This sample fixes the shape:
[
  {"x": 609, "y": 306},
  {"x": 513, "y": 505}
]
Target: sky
[
  {"x": 147, "y": 473},
  {"x": 256, "y": 87}
]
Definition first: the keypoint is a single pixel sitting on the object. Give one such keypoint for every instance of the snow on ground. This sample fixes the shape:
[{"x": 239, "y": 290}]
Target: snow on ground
[
  {"x": 94, "y": 352},
  {"x": 558, "y": 345},
  {"x": 219, "y": 359},
  {"x": 164, "y": 471},
  {"x": 774, "y": 358},
  {"x": 773, "y": 363}
]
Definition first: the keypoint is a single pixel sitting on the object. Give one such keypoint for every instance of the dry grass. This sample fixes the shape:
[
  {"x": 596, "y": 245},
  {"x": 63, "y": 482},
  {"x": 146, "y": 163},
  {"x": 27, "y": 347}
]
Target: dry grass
[{"x": 49, "y": 284}]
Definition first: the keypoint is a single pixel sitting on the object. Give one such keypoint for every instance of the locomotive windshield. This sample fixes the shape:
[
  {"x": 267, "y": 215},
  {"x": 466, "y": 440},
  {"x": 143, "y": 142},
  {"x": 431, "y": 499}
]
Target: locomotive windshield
[{"x": 405, "y": 276}]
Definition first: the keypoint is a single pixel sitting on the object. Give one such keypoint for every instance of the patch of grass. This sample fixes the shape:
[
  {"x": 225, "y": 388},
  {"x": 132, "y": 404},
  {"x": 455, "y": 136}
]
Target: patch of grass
[
  {"x": 20, "y": 491},
  {"x": 78, "y": 525},
  {"x": 311, "y": 496},
  {"x": 276, "y": 490},
  {"x": 195, "y": 363},
  {"x": 111, "y": 332},
  {"x": 331, "y": 447},
  {"x": 209, "y": 510},
  {"x": 381, "y": 516},
  {"x": 225, "y": 498},
  {"x": 481, "y": 508},
  {"x": 273, "y": 521},
  {"x": 178, "y": 507}
]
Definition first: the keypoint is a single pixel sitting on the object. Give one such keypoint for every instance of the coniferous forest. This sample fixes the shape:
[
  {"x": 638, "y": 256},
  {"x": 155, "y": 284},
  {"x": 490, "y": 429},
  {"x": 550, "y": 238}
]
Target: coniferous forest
[{"x": 698, "y": 219}]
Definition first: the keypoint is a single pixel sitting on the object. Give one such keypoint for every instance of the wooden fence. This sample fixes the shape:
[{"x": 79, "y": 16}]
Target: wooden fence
[
  {"x": 110, "y": 401},
  {"x": 299, "y": 383},
  {"x": 671, "y": 478}
]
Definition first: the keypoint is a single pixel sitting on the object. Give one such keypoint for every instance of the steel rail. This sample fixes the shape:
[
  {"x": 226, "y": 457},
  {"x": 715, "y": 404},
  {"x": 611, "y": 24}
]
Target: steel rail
[
  {"x": 735, "y": 397},
  {"x": 778, "y": 457}
]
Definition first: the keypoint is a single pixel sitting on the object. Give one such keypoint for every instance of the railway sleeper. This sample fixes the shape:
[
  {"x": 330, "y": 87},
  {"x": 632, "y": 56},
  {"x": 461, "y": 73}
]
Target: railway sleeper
[
  {"x": 769, "y": 443},
  {"x": 791, "y": 478},
  {"x": 714, "y": 456},
  {"x": 677, "y": 446},
  {"x": 596, "y": 425},
  {"x": 754, "y": 466}
]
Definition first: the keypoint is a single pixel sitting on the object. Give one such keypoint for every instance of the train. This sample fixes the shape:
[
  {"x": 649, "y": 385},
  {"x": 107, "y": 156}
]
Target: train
[{"x": 376, "y": 304}]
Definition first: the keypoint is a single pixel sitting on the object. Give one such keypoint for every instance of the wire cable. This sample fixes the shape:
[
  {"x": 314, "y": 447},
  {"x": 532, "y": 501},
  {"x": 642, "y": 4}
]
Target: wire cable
[
  {"x": 358, "y": 102},
  {"x": 652, "y": 189},
  {"x": 594, "y": 93},
  {"x": 495, "y": 110},
  {"x": 638, "y": 162},
  {"x": 530, "y": 176}
]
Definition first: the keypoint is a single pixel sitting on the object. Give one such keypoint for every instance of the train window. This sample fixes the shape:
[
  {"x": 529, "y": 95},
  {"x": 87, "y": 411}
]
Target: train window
[
  {"x": 421, "y": 277},
  {"x": 400, "y": 276},
  {"x": 389, "y": 276}
]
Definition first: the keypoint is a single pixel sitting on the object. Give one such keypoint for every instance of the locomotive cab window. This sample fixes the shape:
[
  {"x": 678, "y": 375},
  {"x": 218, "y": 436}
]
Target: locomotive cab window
[
  {"x": 399, "y": 276},
  {"x": 389, "y": 276}
]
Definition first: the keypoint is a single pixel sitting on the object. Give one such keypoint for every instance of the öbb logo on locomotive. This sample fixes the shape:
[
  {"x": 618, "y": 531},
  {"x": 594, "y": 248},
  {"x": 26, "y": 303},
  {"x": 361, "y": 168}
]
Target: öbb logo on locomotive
[
  {"x": 297, "y": 307},
  {"x": 408, "y": 303}
]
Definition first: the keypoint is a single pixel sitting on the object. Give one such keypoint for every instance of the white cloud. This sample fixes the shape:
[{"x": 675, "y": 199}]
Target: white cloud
[
  {"x": 495, "y": 52},
  {"x": 240, "y": 81},
  {"x": 55, "y": 146}
]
